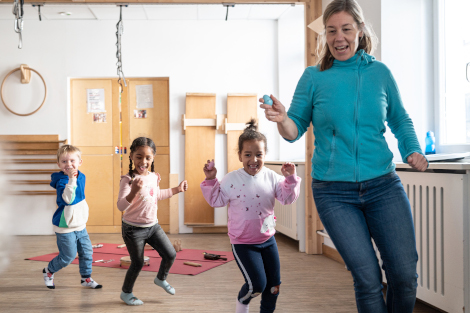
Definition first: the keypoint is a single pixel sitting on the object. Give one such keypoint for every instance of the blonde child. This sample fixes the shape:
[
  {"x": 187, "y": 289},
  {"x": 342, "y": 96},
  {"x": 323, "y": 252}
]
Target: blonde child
[
  {"x": 138, "y": 195},
  {"x": 250, "y": 194},
  {"x": 70, "y": 219}
]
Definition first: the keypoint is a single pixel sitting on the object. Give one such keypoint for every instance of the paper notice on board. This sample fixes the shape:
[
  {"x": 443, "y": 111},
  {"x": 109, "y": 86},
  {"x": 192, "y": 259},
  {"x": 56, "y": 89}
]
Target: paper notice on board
[
  {"x": 95, "y": 100},
  {"x": 144, "y": 94},
  {"x": 99, "y": 117}
]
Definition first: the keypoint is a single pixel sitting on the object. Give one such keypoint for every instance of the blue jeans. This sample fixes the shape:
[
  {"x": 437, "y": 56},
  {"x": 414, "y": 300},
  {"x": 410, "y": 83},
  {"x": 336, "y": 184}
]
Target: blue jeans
[
  {"x": 260, "y": 266},
  {"x": 69, "y": 244},
  {"x": 352, "y": 214}
]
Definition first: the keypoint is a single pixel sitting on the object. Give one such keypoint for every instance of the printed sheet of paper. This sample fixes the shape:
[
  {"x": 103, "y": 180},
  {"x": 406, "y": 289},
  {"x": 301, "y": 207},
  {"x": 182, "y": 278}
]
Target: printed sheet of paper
[
  {"x": 140, "y": 113},
  {"x": 99, "y": 117},
  {"x": 95, "y": 100},
  {"x": 144, "y": 94}
]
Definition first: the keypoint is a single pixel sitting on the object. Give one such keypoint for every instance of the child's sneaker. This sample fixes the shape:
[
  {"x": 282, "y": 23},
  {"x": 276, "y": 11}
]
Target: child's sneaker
[
  {"x": 165, "y": 285},
  {"x": 89, "y": 282},
  {"x": 242, "y": 308},
  {"x": 48, "y": 278}
]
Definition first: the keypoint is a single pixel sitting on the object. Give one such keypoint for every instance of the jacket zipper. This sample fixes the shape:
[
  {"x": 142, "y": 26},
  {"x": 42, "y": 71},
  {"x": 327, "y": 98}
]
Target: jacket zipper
[
  {"x": 333, "y": 151},
  {"x": 356, "y": 122}
]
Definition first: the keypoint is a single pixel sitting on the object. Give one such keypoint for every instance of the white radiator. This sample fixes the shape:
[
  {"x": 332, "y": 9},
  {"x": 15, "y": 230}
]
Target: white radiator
[
  {"x": 286, "y": 215},
  {"x": 437, "y": 204},
  {"x": 286, "y": 219}
]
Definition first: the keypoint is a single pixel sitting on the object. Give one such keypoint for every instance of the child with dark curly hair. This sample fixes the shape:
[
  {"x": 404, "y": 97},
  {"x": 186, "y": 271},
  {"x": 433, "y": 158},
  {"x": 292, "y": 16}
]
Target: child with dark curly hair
[
  {"x": 138, "y": 195},
  {"x": 250, "y": 193}
]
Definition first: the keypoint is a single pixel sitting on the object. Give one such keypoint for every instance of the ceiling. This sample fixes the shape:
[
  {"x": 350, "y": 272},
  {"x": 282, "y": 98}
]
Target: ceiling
[{"x": 149, "y": 12}]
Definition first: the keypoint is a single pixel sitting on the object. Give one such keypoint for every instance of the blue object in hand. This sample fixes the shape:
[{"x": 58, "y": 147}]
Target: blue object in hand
[
  {"x": 267, "y": 100},
  {"x": 430, "y": 143}
]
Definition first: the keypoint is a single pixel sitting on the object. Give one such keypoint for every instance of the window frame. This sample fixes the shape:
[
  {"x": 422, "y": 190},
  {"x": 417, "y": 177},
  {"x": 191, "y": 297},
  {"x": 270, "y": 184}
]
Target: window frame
[{"x": 439, "y": 82}]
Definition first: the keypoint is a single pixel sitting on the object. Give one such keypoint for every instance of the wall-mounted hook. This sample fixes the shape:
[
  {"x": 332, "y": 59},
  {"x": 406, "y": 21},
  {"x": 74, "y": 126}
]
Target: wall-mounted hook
[
  {"x": 39, "y": 9},
  {"x": 227, "y": 5},
  {"x": 25, "y": 74}
]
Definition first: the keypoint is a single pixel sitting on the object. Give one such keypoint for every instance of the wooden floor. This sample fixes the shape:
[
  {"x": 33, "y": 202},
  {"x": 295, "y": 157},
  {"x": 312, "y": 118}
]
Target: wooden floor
[{"x": 309, "y": 283}]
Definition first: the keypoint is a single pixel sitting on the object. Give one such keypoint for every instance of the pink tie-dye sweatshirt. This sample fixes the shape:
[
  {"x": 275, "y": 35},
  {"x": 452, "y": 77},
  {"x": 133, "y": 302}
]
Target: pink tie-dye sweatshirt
[
  {"x": 251, "y": 201},
  {"x": 142, "y": 211}
]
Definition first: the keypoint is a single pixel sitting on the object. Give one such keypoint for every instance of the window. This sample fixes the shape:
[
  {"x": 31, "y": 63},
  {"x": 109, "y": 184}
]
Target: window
[{"x": 453, "y": 75}]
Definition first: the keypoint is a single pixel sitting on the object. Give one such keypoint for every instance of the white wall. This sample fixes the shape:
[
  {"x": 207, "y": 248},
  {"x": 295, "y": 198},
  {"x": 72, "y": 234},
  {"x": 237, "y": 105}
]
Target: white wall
[
  {"x": 199, "y": 56},
  {"x": 291, "y": 64},
  {"x": 407, "y": 49}
]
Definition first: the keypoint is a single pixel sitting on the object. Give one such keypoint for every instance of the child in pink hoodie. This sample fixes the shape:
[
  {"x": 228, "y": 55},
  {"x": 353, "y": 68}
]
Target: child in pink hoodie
[{"x": 250, "y": 193}]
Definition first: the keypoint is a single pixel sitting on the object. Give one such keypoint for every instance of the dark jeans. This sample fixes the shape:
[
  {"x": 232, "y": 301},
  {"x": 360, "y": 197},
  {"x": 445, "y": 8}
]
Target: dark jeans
[
  {"x": 135, "y": 239},
  {"x": 352, "y": 214},
  {"x": 261, "y": 269}
]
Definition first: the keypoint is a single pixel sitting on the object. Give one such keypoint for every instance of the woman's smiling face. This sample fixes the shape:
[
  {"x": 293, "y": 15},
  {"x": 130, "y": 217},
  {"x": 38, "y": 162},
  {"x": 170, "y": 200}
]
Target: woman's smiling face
[{"x": 342, "y": 35}]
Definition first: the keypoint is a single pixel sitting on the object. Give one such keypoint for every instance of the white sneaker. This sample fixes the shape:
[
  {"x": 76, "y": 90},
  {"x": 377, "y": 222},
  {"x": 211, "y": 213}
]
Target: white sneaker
[
  {"x": 48, "y": 278},
  {"x": 89, "y": 282}
]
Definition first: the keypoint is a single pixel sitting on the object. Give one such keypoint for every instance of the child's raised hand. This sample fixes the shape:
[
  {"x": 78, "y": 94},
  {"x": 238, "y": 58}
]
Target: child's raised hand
[
  {"x": 288, "y": 169},
  {"x": 137, "y": 185},
  {"x": 72, "y": 173},
  {"x": 183, "y": 186},
  {"x": 210, "y": 170}
]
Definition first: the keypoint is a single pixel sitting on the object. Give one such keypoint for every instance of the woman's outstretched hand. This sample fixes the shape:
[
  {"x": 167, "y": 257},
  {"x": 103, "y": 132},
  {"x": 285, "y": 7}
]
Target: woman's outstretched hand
[
  {"x": 288, "y": 169},
  {"x": 417, "y": 161},
  {"x": 275, "y": 112},
  {"x": 210, "y": 170}
]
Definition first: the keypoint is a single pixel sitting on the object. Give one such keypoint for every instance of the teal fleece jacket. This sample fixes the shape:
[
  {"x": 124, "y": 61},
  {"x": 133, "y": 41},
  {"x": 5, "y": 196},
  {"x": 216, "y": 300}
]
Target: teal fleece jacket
[{"x": 348, "y": 106}]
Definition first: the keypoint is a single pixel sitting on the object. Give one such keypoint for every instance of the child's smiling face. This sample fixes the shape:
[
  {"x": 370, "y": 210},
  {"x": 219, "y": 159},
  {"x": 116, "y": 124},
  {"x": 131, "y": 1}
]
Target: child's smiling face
[
  {"x": 69, "y": 161},
  {"x": 252, "y": 156},
  {"x": 142, "y": 158}
]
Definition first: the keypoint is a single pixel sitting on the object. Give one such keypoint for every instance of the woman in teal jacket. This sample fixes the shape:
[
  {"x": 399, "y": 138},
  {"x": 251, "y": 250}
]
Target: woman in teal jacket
[{"x": 348, "y": 97}]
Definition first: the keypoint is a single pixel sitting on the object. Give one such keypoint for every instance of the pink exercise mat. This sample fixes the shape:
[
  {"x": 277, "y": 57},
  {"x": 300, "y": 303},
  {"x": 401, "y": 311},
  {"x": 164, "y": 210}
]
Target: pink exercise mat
[
  {"x": 192, "y": 255},
  {"x": 185, "y": 254}
]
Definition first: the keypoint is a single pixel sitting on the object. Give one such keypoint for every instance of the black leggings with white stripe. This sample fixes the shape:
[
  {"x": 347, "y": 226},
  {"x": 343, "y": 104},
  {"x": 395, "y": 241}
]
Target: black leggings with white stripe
[{"x": 260, "y": 266}]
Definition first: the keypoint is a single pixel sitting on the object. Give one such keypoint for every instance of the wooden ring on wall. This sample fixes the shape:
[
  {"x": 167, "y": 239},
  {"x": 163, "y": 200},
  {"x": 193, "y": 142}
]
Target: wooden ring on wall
[{"x": 3, "y": 100}]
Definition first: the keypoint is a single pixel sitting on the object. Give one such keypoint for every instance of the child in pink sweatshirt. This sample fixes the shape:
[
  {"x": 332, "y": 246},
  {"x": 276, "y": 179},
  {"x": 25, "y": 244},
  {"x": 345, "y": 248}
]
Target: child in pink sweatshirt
[
  {"x": 250, "y": 193},
  {"x": 138, "y": 195}
]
